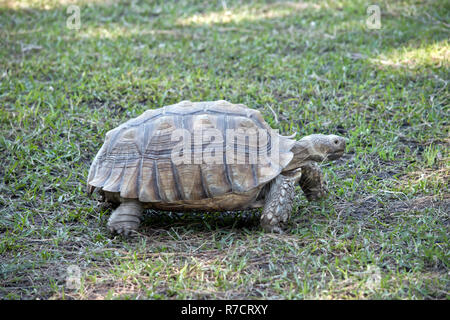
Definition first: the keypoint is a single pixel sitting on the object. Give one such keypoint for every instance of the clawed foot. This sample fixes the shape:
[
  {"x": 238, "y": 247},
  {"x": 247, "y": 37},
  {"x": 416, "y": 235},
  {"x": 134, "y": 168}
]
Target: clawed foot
[
  {"x": 122, "y": 228},
  {"x": 313, "y": 183},
  {"x": 126, "y": 218},
  {"x": 273, "y": 229},
  {"x": 318, "y": 194}
]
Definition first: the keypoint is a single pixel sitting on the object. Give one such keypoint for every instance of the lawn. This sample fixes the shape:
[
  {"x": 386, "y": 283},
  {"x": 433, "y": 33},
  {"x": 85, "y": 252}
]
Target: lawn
[{"x": 309, "y": 67}]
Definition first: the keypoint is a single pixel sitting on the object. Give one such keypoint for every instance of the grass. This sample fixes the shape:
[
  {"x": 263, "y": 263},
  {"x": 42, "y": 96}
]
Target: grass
[{"x": 381, "y": 234}]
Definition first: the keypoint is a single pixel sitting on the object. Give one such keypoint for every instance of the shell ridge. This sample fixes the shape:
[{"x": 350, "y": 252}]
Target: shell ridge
[
  {"x": 109, "y": 174},
  {"x": 180, "y": 193},
  {"x": 254, "y": 175},
  {"x": 139, "y": 176},
  {"x": 157, "y": 182},
  {"x": 128, "y": 125},
  {"x": 227, "y": 173},
  {"x": 123, "y": 171},
  {"x": 205, "y": 190},
  {"x": 106, "y": 182},
  {"x": 113, "y": 141}
]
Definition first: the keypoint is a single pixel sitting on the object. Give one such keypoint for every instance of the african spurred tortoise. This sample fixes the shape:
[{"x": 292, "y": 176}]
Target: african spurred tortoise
[{"x": 207, "y": 156}]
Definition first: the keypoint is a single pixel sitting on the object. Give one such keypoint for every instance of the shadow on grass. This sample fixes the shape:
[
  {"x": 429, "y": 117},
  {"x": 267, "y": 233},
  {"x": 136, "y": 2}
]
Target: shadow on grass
[
  {"x": 201, "y": 221},
  {"x": 277, "y": 28}
]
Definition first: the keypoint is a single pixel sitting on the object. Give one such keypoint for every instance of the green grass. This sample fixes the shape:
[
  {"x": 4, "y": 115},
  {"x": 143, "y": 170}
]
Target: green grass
[{"x": 381, "y": 234}]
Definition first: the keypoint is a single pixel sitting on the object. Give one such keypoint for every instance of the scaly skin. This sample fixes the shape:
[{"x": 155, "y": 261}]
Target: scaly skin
[
  {"x": 312, "y": 182},
  {"x": 126, "y": 218},
  {"x": 279, "y": 202}
]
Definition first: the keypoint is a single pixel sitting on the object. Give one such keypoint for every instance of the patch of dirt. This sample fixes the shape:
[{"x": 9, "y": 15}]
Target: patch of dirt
[{"x": 370, "y": 206}]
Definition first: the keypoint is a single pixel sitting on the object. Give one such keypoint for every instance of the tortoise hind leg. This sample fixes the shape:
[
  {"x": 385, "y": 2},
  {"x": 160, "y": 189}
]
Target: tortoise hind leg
[
  {"x": 126, "y": 218},
  {"x": 279, "y": 202}
]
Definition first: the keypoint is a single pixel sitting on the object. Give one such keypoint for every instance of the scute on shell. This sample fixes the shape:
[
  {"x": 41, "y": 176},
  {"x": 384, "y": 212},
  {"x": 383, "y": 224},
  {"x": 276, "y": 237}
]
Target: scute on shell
[{"x": 135, "y": 160}]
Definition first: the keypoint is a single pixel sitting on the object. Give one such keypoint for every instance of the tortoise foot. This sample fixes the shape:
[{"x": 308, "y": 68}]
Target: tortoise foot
[
  {"x": 126, "y": 218},
  {"x": 273, "y": 229}
]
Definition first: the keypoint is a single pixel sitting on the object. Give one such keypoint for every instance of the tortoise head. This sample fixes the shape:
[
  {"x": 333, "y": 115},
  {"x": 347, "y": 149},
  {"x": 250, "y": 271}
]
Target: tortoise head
[{"x": 318, "y": 148}]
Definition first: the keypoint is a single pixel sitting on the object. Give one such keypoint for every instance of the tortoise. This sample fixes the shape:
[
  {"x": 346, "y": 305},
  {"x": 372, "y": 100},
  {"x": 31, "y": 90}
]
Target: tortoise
[{"x": 207, "y": 156}]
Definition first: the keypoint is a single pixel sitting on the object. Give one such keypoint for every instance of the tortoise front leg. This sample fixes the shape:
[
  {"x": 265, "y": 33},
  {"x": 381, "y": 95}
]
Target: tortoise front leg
[
  {"x": 279, "y": 202},
  {"x": 126, "y": 218},
  {"x": 312, "y": 182}
]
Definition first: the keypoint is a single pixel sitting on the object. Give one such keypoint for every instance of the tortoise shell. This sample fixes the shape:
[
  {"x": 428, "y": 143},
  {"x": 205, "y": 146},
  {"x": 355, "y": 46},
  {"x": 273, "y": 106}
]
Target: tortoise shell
[{"x": 136, "y": 160}]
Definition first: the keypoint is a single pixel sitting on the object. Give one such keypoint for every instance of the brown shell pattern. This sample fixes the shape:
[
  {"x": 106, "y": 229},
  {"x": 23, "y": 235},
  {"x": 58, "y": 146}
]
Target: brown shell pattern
[{"x": 135, "y": 159}]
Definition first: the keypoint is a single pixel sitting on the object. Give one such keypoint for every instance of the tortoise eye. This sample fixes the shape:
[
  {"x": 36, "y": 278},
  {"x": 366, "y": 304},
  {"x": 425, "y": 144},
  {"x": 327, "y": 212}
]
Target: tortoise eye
[{"x": 336, "y": 141}]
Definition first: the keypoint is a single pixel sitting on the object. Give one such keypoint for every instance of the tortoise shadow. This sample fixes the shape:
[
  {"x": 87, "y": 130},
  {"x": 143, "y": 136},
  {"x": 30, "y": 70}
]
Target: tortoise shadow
[{"x": 200, "y": 221}]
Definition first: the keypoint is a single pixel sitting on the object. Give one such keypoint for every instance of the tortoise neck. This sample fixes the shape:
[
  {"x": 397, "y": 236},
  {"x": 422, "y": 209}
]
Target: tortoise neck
[{"x": 304, "y": 152}]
